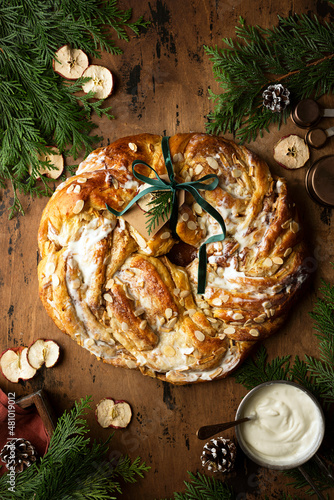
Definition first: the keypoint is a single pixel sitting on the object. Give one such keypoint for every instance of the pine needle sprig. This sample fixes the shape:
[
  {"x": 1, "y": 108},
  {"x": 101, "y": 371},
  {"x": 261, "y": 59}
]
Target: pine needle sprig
[
  {"x": 73, "y": 467},
  {"x": 323, "y": 315},
  {"x": 128, "y": 470},
  {"x": 300, "y": 373},
  {"x": 257, "y": 370},
  {"x": 38, "y": 108},
  {"x": 203, "y": 487},
  {"x": 161, "y": 207},
  {"x": 298, "y": 53},
  {"x": 320, "y": 479}
]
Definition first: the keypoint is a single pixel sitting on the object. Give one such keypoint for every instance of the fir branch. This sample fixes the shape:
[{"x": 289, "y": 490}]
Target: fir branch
[
  {"x": 73, "y": 467},
  {"x": 297, "y": 53},
  {"x": 128, "y": 470},
  {"x": 37, "y": 106},
  {"x": 257, "y": 370},
  {"x": 160, "y": 210},
  {"x": 319, "y": 477},
  {"x": 323, "y": 370},
  {"x": 300, "y": 373},
  {"x": 323, "y": 374}
]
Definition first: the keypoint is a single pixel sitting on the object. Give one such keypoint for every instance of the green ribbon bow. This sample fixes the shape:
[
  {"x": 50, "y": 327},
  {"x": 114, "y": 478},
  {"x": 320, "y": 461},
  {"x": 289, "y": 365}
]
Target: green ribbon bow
[{"x": 159, "y": 184}]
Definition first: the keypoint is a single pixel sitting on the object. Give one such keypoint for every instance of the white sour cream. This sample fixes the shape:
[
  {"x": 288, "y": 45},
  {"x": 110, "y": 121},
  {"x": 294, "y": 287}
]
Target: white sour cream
[{"x": 287, "y": 427}]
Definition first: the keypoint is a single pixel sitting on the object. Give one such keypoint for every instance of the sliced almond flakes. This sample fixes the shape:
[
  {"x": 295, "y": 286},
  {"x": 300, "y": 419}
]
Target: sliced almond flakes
[
  {"x": 287, "y": 252},
  {"x": 50, "y": 268},
  {"x": 286, "y": 224},
  {"x": 278, "y": 260},
  {"x": 55, "y": 280},
  {"x": 171, "y": 323},
  {"x": 236, "y": 173},
  {"x": 199, "y": 335},
  {"x": 229, "y": 330},
  {"x": 76, "y": 284},
  {"x": 169, "y": 351},
  {"x": 212, "y": 162},
  {"x": 139, "y": 311},
  {"x": 78, "y": 206},
  {"x": 165, "y": 235},
  {"x": 108, "y": 297},
  {"x": 130, "y": 364},
  {"x": 238, "y": 316},
  {"x": 254, "y": 332},
  {"x": 294, "y": 227},
  {"x": 168, "y": 313},
  {"x": 192, "y": 225},
  {"x": 198, "y": 209},
  {"x": 216, "y": 373}
]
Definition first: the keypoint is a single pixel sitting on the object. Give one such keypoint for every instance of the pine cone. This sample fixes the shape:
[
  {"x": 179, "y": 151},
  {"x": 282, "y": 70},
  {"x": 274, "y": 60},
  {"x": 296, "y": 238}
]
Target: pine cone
[
  {"x": 276, "y": 98},
  {"x": 18, "y": 453},
  {"x": 219, "y": 455}
]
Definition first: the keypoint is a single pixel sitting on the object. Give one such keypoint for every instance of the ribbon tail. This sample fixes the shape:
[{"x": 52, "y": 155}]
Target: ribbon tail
[
  {"x": 167, "y": 157},
  {"x": 202, "y": 261},
  {"x": 174, "y": 216},
  {"x": 201, "y": 272}
]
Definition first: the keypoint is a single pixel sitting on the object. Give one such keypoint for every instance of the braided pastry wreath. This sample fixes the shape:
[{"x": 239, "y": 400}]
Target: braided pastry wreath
[{"x": 134, "y": 303}]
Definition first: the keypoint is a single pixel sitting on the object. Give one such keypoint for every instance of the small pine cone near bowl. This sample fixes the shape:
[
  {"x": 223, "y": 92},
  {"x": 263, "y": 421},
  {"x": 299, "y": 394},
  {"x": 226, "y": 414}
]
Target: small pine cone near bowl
[
  {"x": 133, "y": 302},
  {"x": 219, "y": 455}
]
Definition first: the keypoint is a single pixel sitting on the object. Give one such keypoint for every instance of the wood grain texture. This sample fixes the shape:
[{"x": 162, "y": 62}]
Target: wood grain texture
[{"x": 162, "y": 82}]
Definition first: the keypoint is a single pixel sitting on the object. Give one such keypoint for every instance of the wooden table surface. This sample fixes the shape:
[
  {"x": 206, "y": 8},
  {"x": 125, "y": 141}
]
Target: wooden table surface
[{"x": 162, "y": 82}]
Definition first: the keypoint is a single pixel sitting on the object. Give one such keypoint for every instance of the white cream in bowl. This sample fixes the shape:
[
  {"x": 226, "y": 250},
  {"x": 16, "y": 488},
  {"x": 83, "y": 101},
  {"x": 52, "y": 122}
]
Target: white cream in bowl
[{"x": 287, "y": 425}]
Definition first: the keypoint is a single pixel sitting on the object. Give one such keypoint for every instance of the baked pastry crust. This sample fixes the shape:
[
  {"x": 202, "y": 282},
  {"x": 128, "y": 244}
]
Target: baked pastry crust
[{"x": 133, "y": 303}]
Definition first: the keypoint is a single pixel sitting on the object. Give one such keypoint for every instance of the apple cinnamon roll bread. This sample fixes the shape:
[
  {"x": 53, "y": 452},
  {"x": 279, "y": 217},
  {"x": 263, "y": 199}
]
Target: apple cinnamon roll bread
[{"x": 133, "y": 301}]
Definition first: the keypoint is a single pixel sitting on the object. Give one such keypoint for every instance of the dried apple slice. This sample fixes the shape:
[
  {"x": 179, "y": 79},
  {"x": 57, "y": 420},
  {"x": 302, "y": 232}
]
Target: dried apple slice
[
  {"x": 14, "y": 365},
  {"x": 101, "y": 81},
  {"x": 291, "y": 152},
  {"x": 70, "y": 63},
  {"x": 57, "y": 160},
  {"x": 115, "y": 414},
  {"x": 43, "y": 351}
]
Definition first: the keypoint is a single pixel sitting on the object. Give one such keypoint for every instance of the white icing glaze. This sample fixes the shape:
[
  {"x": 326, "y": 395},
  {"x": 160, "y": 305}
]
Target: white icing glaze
[
  {"x": 83, "y": 248},
  {"x": 130, "y": 184}
]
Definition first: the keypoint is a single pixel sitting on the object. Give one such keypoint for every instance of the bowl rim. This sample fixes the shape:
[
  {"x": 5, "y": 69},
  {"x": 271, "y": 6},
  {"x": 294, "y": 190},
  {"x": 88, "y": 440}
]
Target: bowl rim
[{"x": 263, "y": 463}]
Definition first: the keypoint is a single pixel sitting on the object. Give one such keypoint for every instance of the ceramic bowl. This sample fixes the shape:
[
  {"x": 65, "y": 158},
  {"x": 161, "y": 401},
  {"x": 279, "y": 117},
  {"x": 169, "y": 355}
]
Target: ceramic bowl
[{"x": 248, "y": 452}]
